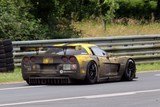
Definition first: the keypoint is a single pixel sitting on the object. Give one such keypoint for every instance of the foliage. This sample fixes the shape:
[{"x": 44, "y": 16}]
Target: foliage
[
  {"x": 41, "y": 19},
  {"x": 109, "y": 7},
  {"x": 16, "y": 23},
  {"x": 138, "y": 9},
  {"x": 57, "y": 16}
]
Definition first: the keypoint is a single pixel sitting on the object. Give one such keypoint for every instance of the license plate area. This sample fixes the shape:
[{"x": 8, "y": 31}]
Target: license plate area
[
  {"x": 49, "y": 67},
  {"x": 47, "y": 60},
  {"x": 66, "y": 67}
]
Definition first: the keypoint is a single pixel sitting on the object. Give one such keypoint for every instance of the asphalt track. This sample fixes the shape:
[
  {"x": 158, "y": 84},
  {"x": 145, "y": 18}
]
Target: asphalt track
[{"x": 143, "y": 92}]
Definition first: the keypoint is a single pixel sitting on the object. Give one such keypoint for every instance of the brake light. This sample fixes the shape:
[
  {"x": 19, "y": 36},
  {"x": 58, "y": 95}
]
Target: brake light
[
  {"x": 64, "y": 58},
  {"x": 72, "y": 59},
  {"x": 26, "y": 59},
  {"x": 73, "y": 66},
  {"x": 33, "y": 59}
]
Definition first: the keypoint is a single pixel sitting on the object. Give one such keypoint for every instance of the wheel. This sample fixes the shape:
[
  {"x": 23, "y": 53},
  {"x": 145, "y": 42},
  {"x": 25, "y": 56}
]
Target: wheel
[
  {"x": 130, "y": 70},
  {"x": 91, "y": 76}
]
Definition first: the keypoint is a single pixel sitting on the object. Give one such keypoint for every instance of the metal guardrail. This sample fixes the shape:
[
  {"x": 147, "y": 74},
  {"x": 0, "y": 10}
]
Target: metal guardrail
[{"x": 143, "y": 48}]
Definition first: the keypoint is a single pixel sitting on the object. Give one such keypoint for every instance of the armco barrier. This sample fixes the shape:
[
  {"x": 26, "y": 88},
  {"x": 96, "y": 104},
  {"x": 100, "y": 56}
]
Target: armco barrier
[{"x": 143, "y": 48}]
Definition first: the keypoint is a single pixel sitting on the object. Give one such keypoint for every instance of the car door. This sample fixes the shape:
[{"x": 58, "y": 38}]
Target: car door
[
  {"x": 114, "y": 66},
  {"x": 104, "y": 62}
]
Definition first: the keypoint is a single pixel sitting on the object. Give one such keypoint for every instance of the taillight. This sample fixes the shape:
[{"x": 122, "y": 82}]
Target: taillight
[
  {"x": 64, "y": 58},
  {"x": 72, "y": 59},
  {"x": 33, "y": 59},
  {"x": 26, "y": 59},
  {"x": 73, "y": 66}
]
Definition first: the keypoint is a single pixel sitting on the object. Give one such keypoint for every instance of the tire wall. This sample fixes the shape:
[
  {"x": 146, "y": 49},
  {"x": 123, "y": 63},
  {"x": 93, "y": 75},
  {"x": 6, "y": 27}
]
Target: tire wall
[{"x": 6, "y": 56}]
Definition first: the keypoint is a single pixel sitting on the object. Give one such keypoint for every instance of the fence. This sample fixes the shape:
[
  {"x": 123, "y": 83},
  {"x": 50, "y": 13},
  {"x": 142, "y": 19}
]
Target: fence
[{"x": 143, "y": 48}]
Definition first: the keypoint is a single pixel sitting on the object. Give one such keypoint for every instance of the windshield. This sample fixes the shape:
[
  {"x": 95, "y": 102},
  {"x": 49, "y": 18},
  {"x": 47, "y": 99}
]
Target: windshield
[{"x": 66, "y": 51}]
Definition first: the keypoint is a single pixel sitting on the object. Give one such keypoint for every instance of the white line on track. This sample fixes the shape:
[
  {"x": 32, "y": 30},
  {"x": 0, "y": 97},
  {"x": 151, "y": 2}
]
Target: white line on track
[
  {"x": 81, "y": 97},
  {"x": 17, "y": 88}
]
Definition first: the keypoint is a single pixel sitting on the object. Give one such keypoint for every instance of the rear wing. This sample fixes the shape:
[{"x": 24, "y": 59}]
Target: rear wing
[
  {"x": 30, "y": 48},
  {"x": 42, "y": 48}
]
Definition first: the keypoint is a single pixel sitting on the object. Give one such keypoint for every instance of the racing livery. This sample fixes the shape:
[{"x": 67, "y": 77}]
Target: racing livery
[{"x": 67, "y": 63}]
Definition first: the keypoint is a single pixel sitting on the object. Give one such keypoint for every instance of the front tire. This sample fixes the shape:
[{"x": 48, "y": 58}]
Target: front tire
[
  {"x": 91, "y": 76},
  {"x": 130, "y": 70}
]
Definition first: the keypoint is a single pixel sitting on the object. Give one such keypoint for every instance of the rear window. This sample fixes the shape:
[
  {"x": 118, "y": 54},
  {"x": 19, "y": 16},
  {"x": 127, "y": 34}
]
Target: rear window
[{"x": 66, "y": 51}]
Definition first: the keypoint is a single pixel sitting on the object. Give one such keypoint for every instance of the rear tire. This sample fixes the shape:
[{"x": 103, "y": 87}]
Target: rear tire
[
  {"x": 130, "y": 70},
  {"x": 91, "y": 76}
]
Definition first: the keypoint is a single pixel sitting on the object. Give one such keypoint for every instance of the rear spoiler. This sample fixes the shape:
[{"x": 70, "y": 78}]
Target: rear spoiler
[
  {"x": 30, "y": 48},
  {"x": 41, "y": 48}
]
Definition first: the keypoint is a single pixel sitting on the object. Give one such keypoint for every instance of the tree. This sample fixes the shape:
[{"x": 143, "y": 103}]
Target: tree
[
  {"x": 56, "y": 14},
  {"x": 107, "y": 9},
  {"x": 17, "y": 23},
  {"x": 158, "y": 10}
]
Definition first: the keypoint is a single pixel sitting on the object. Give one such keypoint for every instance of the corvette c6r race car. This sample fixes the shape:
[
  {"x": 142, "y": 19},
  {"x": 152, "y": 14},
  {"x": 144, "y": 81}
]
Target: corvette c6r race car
[{"x": 67, "y": 63}]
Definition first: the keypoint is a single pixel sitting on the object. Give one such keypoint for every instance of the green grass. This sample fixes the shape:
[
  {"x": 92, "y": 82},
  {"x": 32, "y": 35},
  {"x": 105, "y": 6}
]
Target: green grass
[
  {"x": 16, "y": 76},
  {"x": 148, "y": 67}
]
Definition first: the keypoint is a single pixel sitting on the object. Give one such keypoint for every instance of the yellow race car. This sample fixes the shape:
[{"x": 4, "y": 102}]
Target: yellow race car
[{"x": 67, "y": 63}]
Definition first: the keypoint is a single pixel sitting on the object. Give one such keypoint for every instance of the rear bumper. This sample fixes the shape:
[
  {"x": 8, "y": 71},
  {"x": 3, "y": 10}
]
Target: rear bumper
[
  {"x": 49, "y": 80},
  {"x": 50, "y": 75}
]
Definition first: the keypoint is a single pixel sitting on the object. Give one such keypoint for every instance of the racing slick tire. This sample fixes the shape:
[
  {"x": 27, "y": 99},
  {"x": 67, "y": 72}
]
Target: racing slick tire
[
  {"x": 9, "y": 61},
  {"x": 91, "y": 75},
  {"x": 7, "y": 42},
  {"x": 2, "y": 56},
  {"x": 10, "y": 67},
  {"x": 9, "y": 55},
  {"x": 8, "y": 48},
  {"x": 2, "y": 60},
  {"x": 2, "y": 65},
  {"x": 130, "y": 70},
  {"x": 2, "y": 51},
  {"x": 3, "y": 69},
  {"x": 1, "y": 43}
]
